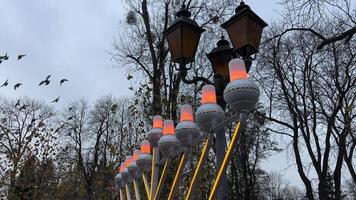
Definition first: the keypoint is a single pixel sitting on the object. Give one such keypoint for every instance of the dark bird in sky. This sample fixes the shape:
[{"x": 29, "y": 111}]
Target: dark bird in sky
[
  {"x": 5, "y": 57},
  {"x": 20, "y": 56},
  {"x": 46, "y": 81},
  {"x": 56, "y": 100},
  {"x": 5, "y": 84},
  {"x": 70, "y": 108},
  {"x": 23, "y": 107},
  {"x": 62, "y": 81},
  {"x": 17, "y": 103},
  {"x": 17, "y": 85},
  {"x": 70, "y": 118}
]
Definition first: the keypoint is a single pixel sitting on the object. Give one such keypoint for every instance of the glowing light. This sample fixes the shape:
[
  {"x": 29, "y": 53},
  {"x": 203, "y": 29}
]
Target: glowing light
[
  {"x": 157, "y": 121},
  {"x": 237, "y": 69},
  {"x": 136, "y": 153},
  {"x": 168, "y": 128},
  {"x": 186, "y": 113},
  {"x": 122, "y": 167},
  {"x": 128, "y": 160},
  {"x": 145, "y": 147},
  {"x": 208, "y": 94}
]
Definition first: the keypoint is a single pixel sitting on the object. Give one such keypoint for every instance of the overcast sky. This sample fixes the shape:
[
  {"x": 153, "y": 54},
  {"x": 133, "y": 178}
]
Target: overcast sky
[{"x": 71, "y": 39}]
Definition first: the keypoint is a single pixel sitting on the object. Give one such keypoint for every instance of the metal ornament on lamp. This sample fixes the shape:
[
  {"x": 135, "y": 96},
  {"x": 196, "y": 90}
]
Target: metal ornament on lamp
[
  {"x": 187, "y": 130},
  {"x": 124, "y": 173},
  {"x": 132, "y": 167},
  {"x": 242, "y": 93},
  {"x": 155, "y": 133},
  {"x": 144, "y": 160},
  {"x": 209, "y": 113},
  {"x": 118, "y": 180},
  {"x": 168, "y": 142}
]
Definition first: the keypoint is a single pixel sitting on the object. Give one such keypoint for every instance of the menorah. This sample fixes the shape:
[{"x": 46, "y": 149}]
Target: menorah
[
  {"x": 241, "y": 94},
  {"x": 232, "y": 86}
]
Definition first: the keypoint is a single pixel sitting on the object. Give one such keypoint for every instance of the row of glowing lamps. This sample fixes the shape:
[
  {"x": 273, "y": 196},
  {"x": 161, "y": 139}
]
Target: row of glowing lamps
[{"x": 241, "y": 94}]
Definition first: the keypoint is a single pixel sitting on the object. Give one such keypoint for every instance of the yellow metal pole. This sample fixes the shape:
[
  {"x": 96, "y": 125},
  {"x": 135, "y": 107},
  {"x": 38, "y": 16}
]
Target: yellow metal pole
[
  {"x": 122, "y": 197},
  {"x": 128, "y": 195},
  {"x": 137, "y": 191},
  {"x": 202, "y": 159},
  {"x": 147, "y": 187},
  {"x": 226, "y": 160},
  {"x": 162, "y": 179},
  {"x": 152, "y": 172},
  {"x": 177, "y": 176}
]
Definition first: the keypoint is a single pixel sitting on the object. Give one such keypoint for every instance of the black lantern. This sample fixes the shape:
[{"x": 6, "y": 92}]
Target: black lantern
[
  {"x": 183, "y": 37},
  {"x": 220, "y": 57},
  {"x": 245, "y": 30}
]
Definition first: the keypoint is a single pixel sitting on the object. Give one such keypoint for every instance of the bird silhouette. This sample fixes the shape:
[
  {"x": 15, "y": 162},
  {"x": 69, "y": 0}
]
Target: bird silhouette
[
  {"x": 5, "y": 57},
  {"x": 46, "y": 81},
  {"x": 17, "y": 85},
  {"x": 62, "y": 81},
  {"x": 23, "y": 107},
  {"x": 17, "y": 103},
  {"x": 56, "y": 100},
  {"x": 70, "y": 109},
  {"x": 20, "y": 56},
  {"x": 5, "y": 83}
]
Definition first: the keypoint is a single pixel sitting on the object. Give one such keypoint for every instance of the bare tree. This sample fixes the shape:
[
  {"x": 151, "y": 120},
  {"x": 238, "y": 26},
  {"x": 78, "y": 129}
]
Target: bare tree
[
  {"x": 311, "y": 96},
  {"x": 25, "y": 130}
]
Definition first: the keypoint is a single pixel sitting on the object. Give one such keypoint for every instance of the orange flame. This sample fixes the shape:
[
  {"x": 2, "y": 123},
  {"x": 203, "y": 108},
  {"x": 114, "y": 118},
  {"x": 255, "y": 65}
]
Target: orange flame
[
  {"x": 168, "y": 128},
  {"x": 237, "y": 69},
  {"x": 208, "y": 94},
  {"x": 128, "y": 161},
  {"x": 186, "y": 113},
  {"x": 157, "y": 121},
  {"x": 136, "y": 153},
  {"x": 145, "y": 147},
  {"x": 122, "y": 167}
]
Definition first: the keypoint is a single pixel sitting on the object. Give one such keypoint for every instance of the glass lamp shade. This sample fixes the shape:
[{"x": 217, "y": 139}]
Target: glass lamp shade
[
  {"x": 128, "y": 160},
  {"x": 237, "y": 69},
  {"x": 136, "y": 154},
  {"x": 168, "y": 127},
  {"x": 146, "y": 147},
  {"x": 245, "y": 30},
  {"x": 183, "y": 37},
  {"x": 157, "y": 121},
  {"x": 186, "y": 113},
  {"x": 208, "y": 94},
  {"x": 220, "y": 56},
  {"x": 122, "y": 167}
]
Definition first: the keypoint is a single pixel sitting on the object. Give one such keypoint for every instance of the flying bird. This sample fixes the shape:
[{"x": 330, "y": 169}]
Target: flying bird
[
  {"x": 5, "y": 84},
  {"x": 20, "y": 56},
  {"x": 17, "y": 85},
  {"x": 17, "y": 103},
  {"x": 5, "y": 57},
  {"x": 23, "y": 107},
  {"x": 56, "y": 100},
  {"x": 46, "y": 81},
  {"x": 62, "y": 81}
]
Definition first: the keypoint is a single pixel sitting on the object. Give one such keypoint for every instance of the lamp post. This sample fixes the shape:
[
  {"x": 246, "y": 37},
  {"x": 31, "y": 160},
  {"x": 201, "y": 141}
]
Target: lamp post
[{"x": 244, "y": 29}]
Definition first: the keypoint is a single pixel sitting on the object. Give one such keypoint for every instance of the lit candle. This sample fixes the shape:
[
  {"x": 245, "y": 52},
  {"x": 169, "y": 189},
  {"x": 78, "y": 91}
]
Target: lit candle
[
  {"x": 237, "y": 69},
  {"x": 128, "y": 161},
  {"x": 157, "y": 121},
  {"x": 136, "y": 153},
  {"x": 122, "y": 167},
  {"x": 208, "y": 94},
  {"x": 168, "y": 127},
  {"x": 186, "y": 113},
  {"x": 145, "y": 147}
]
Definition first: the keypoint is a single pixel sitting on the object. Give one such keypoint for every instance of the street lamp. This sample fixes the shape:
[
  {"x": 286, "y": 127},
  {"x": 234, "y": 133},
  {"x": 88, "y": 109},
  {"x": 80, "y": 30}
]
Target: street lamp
[
  {"x": 245, "y": 32},
  {"x": 244, "y": 29}
]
